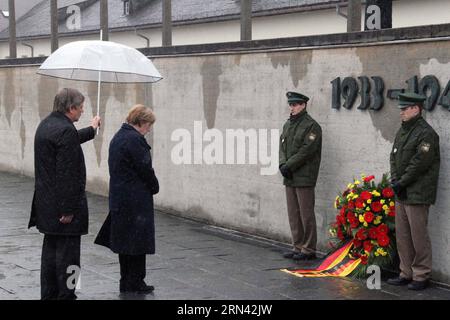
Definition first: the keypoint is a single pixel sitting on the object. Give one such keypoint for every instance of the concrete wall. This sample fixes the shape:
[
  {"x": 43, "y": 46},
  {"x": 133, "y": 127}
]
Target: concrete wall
[{"x": 245, "y": 91}]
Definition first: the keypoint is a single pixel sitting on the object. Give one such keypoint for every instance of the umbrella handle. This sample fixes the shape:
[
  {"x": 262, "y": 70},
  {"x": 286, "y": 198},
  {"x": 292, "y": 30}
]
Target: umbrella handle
[
  {"x": 98, "y": 95},
  {"x": 99, "y": 82}
]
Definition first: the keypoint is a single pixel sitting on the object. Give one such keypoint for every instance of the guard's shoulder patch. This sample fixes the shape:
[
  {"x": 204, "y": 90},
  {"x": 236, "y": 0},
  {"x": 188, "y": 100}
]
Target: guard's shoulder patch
[
  {"x": 312, "y": 136},
  {"x": 425, "y": 147}
]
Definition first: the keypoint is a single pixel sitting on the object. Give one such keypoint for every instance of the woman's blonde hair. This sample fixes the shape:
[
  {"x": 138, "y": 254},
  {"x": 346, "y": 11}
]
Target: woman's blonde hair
[{"x": 140, "y": 114}]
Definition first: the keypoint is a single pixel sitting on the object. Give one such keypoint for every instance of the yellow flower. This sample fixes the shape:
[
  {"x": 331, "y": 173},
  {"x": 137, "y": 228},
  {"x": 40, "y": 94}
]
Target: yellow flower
[
  {"x": 357, "y": 182},
  {"x": 369, "y": 201},
  {"x": 380, "y": 251},
  {"x": 368, "y": 209},
  {"x": 361, "y": 218},
  {"x": 363, "y": 175},
  {"x": 382, "y": 201},
  {"x": 392, "y": 203},
  {"x": 385, "y": 207},
  {"x": 377, "y": 219},
  {"x": 376, "y": 193},
  {"x": 355, "y": 197},
  {"x": 350, "y": 186},
  {"x": 365, "y": 224}
]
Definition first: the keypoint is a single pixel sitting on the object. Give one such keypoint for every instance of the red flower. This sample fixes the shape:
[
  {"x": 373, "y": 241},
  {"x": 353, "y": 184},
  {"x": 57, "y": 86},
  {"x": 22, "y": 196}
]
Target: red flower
[
  {"x": 366, "y": 195},
  {"x": 373, "y": 233},
  {"x": 364, "y": 259},
  {"x": 383, "y": 240},
  {"x": 387, "y": 192},
  {"x": 338, "y": 220},
  {"x": 354, "y": 223},
  {"x": 368, "y": 246},
  {"x": 369, "y": 178},
  {"x": 359, "y": 203},
  {"x": 383, "y": 229},
  {"x": 357, "y": 243},
  {"x": 340, "y": 234},
  {"x": 351, "y": 205},
  {"x": 391, "y": 213},
  {"x": 376, "y": 206},
  {"x": 361, "y": 234},
  {"x": 342, "y": 211},
  {"x": 350, "y": 215},
  {"x": 368, "y": 217}
]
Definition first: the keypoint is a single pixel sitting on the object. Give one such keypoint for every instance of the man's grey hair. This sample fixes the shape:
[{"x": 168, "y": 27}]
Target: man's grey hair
[{"x": 66, "y": 99}]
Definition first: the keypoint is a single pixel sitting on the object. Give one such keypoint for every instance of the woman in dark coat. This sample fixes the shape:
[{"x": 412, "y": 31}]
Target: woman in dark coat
[{"x": 129, "y": 229}]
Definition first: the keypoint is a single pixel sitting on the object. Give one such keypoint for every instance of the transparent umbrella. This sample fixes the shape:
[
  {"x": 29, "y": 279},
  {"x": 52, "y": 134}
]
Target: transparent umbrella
[{"x": 100, "y": 61}]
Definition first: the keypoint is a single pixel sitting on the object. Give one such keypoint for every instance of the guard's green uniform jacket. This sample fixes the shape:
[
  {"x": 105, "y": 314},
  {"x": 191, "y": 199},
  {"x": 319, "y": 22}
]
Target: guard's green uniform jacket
[
  {"x": 415, "y": 160},
  {"x": 300, "y": 150}
]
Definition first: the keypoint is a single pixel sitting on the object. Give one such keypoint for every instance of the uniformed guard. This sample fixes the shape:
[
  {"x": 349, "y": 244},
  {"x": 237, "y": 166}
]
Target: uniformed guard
[
  {"x": 414, "y": 161},
  {"x": 299, "y": 159}
]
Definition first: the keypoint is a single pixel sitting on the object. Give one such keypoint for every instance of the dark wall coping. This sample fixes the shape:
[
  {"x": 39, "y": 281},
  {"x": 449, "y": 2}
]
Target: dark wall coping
[{"x": 352, "y": 38}]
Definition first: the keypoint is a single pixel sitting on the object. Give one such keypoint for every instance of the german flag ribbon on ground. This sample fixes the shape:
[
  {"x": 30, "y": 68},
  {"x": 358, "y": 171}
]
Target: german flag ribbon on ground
[{"x": 338, "y": 264}]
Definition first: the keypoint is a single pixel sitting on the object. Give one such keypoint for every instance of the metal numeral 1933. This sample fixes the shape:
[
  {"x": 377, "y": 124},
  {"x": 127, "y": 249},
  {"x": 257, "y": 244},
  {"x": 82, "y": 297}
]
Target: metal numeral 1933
[{"x": 372, "y": 97}]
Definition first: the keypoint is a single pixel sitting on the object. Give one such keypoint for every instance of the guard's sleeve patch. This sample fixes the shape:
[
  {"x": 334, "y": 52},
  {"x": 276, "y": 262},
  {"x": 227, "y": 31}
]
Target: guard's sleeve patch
[
  {"x": 424, "y": 147},
  {"x": 312, "y": 136}
]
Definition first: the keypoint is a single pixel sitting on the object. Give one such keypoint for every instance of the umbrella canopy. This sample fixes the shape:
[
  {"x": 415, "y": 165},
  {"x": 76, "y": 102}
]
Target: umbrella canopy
[{"x": 103, "y": 61}]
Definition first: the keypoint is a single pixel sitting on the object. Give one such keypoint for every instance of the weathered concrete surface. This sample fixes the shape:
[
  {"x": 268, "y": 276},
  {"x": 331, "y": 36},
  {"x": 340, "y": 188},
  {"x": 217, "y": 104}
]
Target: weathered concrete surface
[
  {"x": 192, "y": 261},
  {"x": 245, "y": 91}
]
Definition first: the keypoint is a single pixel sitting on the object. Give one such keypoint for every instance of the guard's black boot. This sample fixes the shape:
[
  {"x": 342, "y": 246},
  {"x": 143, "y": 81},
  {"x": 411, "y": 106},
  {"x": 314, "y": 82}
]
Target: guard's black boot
[
  {"x": 418, "y": 285},
  {"x": 289, "y": 254},
  {"x": 399, "y": 281},
  {"x": 304, "y": 256}
]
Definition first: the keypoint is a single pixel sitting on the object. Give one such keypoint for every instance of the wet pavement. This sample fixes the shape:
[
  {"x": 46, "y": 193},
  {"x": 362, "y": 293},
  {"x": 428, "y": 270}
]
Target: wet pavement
[{"x": 193, "y": 261}]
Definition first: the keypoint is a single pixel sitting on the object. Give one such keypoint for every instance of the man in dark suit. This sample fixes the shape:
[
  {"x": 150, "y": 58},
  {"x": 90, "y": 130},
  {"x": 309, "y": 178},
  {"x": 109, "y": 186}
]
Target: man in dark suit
[{"x": 59, "y": 209}]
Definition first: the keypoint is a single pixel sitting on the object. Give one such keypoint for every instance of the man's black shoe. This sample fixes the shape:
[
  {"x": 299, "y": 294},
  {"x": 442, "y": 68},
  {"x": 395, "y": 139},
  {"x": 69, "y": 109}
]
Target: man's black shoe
[
  {"x": 304, "y": 256},
  {"x": 290, "y": 254},
  {"x": 144, "y": 289},
  {"x": 140, "y": 289},
  {"x": 418, "y": 285},
  {"x": 399, "y": 281}
]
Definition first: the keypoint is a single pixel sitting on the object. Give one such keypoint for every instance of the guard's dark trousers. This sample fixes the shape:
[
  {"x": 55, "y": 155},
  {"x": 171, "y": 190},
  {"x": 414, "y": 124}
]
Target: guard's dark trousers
[
  {"x": 300, "y": 205},
  {"x": 413, "y": 241},
  {"x": 58, "y": 254},
  {"x": 132, "y": 271}
]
